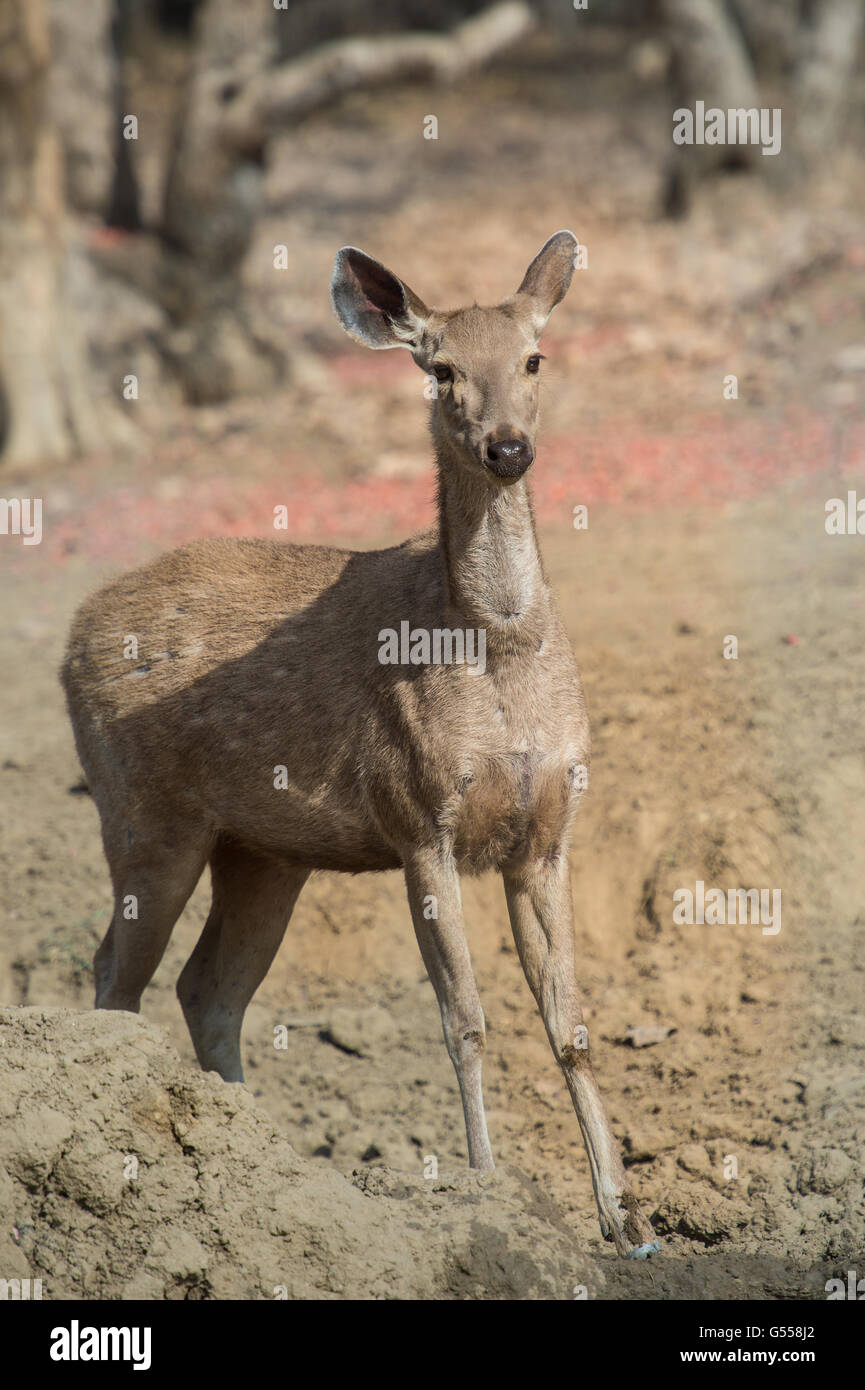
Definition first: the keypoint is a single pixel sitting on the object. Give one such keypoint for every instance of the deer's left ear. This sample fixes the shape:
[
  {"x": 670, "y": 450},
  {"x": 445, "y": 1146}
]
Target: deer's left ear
[
  {"x": 373, "y": 305},
  {"x": 547, "y": 279}
]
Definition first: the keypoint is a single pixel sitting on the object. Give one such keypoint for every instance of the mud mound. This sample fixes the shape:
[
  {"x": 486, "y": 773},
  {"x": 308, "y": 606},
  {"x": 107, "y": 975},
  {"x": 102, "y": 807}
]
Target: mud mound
[{"x": 125, "y": 1174}]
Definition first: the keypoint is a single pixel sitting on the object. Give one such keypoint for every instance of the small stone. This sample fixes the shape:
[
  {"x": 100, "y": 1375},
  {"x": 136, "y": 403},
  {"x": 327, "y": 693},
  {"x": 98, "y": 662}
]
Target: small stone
[
  {"x": 648, "y": 1035},
  {"x": 179, "y": 1254},
  {"x": 829, "y": 1170},
  {"x": 358, "y": 1031}
]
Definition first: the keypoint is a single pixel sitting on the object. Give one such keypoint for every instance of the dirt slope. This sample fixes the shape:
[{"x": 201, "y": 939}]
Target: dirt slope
[{"x": 125, "y": 1175}]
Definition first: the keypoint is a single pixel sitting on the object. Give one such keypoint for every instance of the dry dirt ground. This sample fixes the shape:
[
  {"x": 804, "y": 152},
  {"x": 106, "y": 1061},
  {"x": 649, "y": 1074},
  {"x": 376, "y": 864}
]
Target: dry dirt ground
[{"x": 744, "y": 1127}]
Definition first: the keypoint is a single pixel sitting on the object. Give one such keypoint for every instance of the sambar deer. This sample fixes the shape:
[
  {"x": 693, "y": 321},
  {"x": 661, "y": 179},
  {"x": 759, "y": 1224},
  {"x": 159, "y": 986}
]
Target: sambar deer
[{"x": 255, "y": 656}]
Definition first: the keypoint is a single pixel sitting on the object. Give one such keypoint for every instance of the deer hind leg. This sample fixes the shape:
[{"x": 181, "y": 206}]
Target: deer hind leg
[
  {"x": 433, "y": 886},
  {"x": 153, "y": 878},
  {"x": 539, "y": 902},
  {"x": 253, "y": 899}
]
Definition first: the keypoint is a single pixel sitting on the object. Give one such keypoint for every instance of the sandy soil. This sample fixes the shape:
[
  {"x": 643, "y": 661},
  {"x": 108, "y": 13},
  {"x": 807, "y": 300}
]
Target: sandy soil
[{"x": 706, "y": 519}]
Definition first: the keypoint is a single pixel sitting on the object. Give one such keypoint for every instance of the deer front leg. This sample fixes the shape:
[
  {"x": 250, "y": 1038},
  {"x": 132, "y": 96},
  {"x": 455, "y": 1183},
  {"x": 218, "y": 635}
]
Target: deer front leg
[
  {"x": 436, "y": 908},
  {"x": 539, "y": 902}
]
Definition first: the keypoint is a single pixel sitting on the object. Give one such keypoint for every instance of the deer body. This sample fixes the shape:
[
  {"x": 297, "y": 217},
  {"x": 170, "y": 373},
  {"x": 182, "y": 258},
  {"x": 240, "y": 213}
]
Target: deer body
[{"x": 258, "y": 729}]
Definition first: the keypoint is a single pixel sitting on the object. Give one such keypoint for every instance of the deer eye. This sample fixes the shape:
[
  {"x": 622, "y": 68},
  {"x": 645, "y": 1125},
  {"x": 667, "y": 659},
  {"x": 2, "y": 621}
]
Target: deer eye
[
  {"x": 442, "y": 372},
  {"x": 533, "y": 364}
]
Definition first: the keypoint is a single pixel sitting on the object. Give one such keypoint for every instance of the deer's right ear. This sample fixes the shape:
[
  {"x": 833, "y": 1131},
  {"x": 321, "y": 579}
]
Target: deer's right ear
[{"x": 373, "y": 305}]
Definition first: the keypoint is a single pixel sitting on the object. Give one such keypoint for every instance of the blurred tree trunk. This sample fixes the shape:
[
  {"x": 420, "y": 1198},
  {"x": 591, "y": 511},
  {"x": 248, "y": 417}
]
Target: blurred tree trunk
[
  {"x": 82, "y": 85},
  {"x": 771, "y": 30},
  {"x": 45, "y": 411},
  {"x": 830, "y": 48},
  {"x": 239, "y": 97},
  {"x": 212, "y": 198},
  {"x": 808, "y": 54}
]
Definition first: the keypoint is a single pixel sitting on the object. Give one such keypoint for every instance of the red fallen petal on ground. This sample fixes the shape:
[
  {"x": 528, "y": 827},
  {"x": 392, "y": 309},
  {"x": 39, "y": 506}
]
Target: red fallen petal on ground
[
  {"x": 717, "y": 461},
  {"x": 106, "y": 236},
  {"x": 791, "y": 639}
]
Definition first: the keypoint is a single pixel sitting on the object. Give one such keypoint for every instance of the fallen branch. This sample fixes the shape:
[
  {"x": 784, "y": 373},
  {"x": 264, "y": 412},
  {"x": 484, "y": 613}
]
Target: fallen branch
[{"x": 284, "y": 94}]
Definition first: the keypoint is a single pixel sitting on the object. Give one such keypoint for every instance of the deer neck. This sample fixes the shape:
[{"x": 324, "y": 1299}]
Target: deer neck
[{"x": 493, "y": 568}]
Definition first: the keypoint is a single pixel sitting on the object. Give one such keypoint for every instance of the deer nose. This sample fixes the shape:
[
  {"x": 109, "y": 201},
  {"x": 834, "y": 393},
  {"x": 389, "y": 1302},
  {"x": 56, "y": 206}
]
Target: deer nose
[{"x": 508, "y": 458}]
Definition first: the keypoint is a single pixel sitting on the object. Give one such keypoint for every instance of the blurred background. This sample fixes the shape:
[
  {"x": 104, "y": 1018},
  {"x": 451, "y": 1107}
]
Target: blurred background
[
  {"x": 170, "y": 367},
  {"x": 175, "y": 176}
]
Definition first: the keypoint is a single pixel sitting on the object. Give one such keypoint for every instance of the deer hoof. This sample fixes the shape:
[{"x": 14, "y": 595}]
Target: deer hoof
[{"x": 642, "y": 1252}]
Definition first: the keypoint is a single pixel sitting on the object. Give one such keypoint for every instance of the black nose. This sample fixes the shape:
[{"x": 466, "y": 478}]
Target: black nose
[{"x": 508, "y": 458}]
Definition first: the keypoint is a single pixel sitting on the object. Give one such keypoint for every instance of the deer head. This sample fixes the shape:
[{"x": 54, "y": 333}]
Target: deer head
[{"x": 485, "y": 361}]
